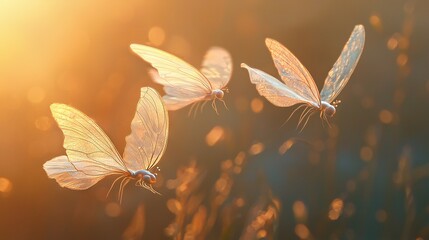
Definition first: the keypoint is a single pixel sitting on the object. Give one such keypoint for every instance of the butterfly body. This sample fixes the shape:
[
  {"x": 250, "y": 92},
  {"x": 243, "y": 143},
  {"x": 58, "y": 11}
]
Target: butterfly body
[{"x": 143, "y": 175}]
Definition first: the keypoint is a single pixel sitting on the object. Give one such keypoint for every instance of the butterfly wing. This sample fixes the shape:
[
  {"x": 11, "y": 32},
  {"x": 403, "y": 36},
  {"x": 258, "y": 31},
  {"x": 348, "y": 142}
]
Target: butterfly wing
[
  {"x": 292, "y": 72},
  {"x": 217, "y": 67},
  {"x": 149, "y": 132},
  {"x": 182, "y": 82},
  {"x": 66, "y": 174},
  {"x": 343, "y": 68},
  {"x": 177, "y": 97},
  {"x": 90, "y": 152},
  {"x": 273, "y": 90}
]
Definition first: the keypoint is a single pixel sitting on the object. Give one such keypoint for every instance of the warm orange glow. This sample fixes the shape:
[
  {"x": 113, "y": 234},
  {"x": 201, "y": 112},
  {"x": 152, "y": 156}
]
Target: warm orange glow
[
  {"x": 215, "y": 135},
  {"x": 113, "y": 209},
  {"x": 375, "y": 22},
  {"x": 302, "y": 231},
  {"x": 5, "y": 185},
  {"x": 286, "y": 146},
  {"x": 335, "y": 209},
  {"x": 392, "y": 43},
  {"x": 386, "y": 116},
  {"x": 257, "y": 105},
  {"x": 256, "y": 148},
  {"x": 43, "y": 123},
  {"x": 402, "y": 60},
  {"x": 156, "y": 36},
  {"x": 174, "y": 206},
  {"x": 299, "y": 210}
]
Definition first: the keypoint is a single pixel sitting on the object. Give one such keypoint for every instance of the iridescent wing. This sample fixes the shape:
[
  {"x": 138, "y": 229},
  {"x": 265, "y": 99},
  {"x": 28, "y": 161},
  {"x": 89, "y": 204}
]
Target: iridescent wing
[
  {"x": 274, "y": 90},
  {"x": 217, "y": 67},
  {"x": 181, "y": 80},
  {"x": 343, "y": 68},
  {"x": 292, "y": 72},
  {"x": 89, "y": 151},
  {"x": 149, "y": 132},
  {"x": 66, "y": 175}
]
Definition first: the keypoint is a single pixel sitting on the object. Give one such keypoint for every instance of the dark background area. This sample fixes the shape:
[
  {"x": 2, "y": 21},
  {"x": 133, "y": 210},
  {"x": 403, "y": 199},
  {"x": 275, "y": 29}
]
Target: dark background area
[{"x": 366, "y": 177}]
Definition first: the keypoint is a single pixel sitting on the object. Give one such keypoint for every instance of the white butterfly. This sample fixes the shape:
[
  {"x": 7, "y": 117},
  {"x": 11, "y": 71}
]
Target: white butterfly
[
  {"x": 298, "y": 86},
  {"x": 91, "y": 155},
  {"x": 184, "y": 84}
]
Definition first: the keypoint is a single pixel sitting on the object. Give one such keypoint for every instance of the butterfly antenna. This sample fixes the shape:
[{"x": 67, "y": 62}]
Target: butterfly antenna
[
  {"x": 290, "y": 116},
  {"x": 111, "y": 186}
]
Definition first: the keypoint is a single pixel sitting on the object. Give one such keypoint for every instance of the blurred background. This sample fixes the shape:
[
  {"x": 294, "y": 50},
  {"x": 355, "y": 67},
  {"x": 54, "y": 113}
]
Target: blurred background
[{"x": 237, "y": 175}]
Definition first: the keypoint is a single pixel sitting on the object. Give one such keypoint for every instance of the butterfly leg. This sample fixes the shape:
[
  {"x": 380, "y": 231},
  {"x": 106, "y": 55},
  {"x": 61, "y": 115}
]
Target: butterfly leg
[
  {"x": 303, "y": 114},
  {"x": 224, "y": 104},
  {"x": 111, "y": 187},
  {"x": 122, "y": 185},
  {"x": 214, "y": 106},
  {"x": 192, "y": 109},
  {"x": 308, "y": 118},
  {"x": 202, "y": 106},
  {"x": 290, "y": 116}
]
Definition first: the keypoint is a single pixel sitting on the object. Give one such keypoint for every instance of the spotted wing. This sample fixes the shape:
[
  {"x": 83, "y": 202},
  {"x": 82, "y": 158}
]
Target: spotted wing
[
  {"x": 343, "y": 68},
  {"x": 217, "y": 67},
  {"x": 274, "y": 90},
  {"x": 182, "y": 82},
  {"x": 149, "y": 132},
  {"x": 66, "y": 174},
  {"x": 89, "y": 151},
  {"x": 292, "y": 72}
]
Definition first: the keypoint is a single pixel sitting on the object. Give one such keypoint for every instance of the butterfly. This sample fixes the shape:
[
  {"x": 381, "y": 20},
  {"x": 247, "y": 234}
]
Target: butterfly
[
  {"x": 298, "y": 87},
  {"x": 184, "y": 84},
  {"x": 91, "y": 156}
]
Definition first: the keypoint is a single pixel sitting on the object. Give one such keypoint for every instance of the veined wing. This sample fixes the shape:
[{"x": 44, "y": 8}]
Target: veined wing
[
  {"x": 149, "y": 132},
  {"x": 274, "y": 90},
  {"x": 292, "y": 72},
  {"x": 217, "y": 67},
  {"x": 177, "y": 96},
  {"x": 88, "y": 148},
  {"x": 343, "y": 68},
  {"x": 174, "y": 73},
  {"x": 66, "y": 174}
]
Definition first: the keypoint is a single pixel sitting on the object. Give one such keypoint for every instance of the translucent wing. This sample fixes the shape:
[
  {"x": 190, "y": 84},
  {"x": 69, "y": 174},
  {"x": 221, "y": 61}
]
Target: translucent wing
[
  {"x": 217, "y": 67},
  {"x": 66, "y": 175},
  {"x": 343, "y": 68},
  {"x": 180, "y": 79},
  {"x": 149, "y": 132},
  {"x": 274, "y": 90},
  {"x": 88, "y": 148},
  {"x": 177, "y": 97},
  {"x": 292, "y": 72}
]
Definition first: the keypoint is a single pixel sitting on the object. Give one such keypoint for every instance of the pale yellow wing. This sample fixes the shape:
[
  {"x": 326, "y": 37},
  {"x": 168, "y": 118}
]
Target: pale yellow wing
[
  {"x": 274, "y": 90},
  {"x": 149, "y": 132},
  {"x": 66, "y": 174},
  {"x": 180, "y": 79},
  {"x": 343, "y": 68},
  {"x": 292, "y": 72},
  {"x": 177, "y": 96},
  {"x": 88, "y": 148},
  {"x": 217, "y": 67}
]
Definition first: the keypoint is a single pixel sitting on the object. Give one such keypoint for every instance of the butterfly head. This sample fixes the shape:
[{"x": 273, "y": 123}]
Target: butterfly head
[
  {"x": 217, "y": 93},
  {"x": 328, "y": 109}
]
